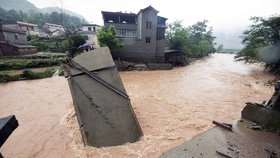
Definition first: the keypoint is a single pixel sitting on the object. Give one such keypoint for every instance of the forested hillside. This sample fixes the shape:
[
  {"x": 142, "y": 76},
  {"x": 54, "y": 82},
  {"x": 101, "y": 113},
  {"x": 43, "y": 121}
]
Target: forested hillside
[
  {"x": 70, "y": 22},
  {"x": 25, "y": 11},
  {"x": 18, "y": 5}
]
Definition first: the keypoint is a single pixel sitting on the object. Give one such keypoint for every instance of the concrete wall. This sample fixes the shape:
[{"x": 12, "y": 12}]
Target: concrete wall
[
  {"x": 53, "y": 27},
  {"x": 139, "y": 27},
  {"x": 37, "y": 33},
  {"x": 8, "y": 50},
  {"x": 121, "y": 26},
  {"x": 10, "y": 37},
  {"x": 30, "y": 30},
  {"x": 136, "y": 47},
  {"x": 160, "y": 47},
  {"x": 12, "y": 26},
  {"x": 149, "y": 15},
  {"x": 93, "y": 28},
  {"x": 58, "y": 33},
  {"x": 92, "y": 39}
]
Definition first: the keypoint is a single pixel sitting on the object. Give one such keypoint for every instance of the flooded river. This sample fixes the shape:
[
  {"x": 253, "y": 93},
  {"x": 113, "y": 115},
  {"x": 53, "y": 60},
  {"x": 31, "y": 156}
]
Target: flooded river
[{"x": 171, "y": 106}]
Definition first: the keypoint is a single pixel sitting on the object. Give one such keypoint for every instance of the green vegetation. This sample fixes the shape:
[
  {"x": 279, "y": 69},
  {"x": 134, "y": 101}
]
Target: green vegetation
[
  {"x": 194, "y": 41},
  {"x": 220, "y": 48},
  {"x": 70, "y": 22},
  {"x": 70, "y": 44},
  {"x": 262, "y": 33},
  {"x": 18, "y": 63},
  {"x": 106, "y": 37},
  {"x": 7, "y": 76},
  {"x": 34, "y": 66},
  {"x": 28, "y": 74},
  {"x": 46, "y": 45},
  {"x": 18, "y": 5},
  {"x": 262, "y": 43}
]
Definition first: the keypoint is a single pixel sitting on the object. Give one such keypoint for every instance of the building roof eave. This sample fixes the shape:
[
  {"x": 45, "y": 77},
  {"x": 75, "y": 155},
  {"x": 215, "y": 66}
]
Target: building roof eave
[
  {"x": 116, "y": 13},
  {"x": 11, "y": 30},
  {"x": 149, "y": 7},
  {"x": 91, "y": 25}
]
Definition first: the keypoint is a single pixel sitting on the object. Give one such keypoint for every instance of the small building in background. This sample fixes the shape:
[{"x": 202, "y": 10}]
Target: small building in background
[
  {"x": 30, "y": 29},
  {"x": 53, "y": 27},
  {"x": 13, "y": 41},
  {"x": 143, "y": 34},
  {"x": 44, "y": 33},
  {"x": 89, "y": 32},
  {"x": 56, "y": 31}
]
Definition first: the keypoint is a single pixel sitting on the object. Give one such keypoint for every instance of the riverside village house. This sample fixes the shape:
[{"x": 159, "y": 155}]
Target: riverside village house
[
  {"x": 56, "y": 31},
  {"x": 13, "y": 38},
  {"x": 89, "y": 32},
  {"x": 143, "y": 34}
]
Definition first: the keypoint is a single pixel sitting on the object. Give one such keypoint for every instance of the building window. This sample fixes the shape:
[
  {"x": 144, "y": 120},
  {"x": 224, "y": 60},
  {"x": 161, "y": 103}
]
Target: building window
[
  {"x": 126, "y": 33},
  {"x": 16, "y": 37},
  {"x": 148, "y": 39},
  {"x": 94, "y": 29},
  {"x": 148, "y": 25},
  {"x": 89, "y": 28}
]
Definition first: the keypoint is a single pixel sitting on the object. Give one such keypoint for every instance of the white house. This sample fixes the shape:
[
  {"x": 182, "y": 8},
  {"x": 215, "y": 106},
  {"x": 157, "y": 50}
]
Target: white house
[
  {"x": 89, "y": 32},
  {"x": 53, "y": 27}
]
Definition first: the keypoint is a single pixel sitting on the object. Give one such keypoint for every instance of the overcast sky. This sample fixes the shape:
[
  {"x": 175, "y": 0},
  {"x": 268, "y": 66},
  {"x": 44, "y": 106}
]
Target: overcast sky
[{"x": 228, "y": 17}]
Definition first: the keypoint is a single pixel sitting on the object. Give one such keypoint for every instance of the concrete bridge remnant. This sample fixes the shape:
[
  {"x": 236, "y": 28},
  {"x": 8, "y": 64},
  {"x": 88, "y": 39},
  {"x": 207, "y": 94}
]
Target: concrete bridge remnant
[{"x": 102, "y": 106}]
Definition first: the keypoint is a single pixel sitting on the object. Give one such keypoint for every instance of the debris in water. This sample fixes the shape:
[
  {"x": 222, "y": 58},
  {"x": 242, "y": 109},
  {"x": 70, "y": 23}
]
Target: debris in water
[
  {"x": 223, "y": 125},
  {"x": 102, "y": 105},
  {"x": 224, "y": 155}
]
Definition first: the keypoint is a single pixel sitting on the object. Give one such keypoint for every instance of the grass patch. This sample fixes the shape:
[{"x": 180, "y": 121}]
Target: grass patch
[
  {"x": 45, "y": 55},
  {"x": 36, "y": 66},
  {"x": 19, "y": 63},
  {"x": 29, "y": 74}
]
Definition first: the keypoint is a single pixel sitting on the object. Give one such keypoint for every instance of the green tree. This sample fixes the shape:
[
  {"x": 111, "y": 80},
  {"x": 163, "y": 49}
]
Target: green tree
[
  {"x": 194, "y": 41},
  {"x": 262, "y": 33},
  {"x": 106, "y": 37},
  {"x": 202, "y": 38},
  {"x": 72, "y": 43},
  {"x": 220, "y": 48},
  {"x": 177, "y": 36}
]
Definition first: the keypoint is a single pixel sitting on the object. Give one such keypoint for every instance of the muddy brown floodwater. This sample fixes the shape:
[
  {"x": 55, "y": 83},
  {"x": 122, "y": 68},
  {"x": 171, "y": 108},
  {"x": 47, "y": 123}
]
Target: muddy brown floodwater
[{"x": 171, "y": 106}]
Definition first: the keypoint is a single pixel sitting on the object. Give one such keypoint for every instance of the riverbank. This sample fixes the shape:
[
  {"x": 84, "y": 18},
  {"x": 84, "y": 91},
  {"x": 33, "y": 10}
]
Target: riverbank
[
  {"x": 35, "y": 66},
  {"x": 171, "y": 106}
]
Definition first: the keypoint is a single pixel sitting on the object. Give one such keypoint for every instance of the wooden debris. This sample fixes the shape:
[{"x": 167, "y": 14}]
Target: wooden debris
[
  {"x": 230, "y": 149},
  {"x": 222, "y": 125},
  {"x": 228, "y": 124},
  {"x": 224, "y": 155},
  {"x": 256, "y": 127}
]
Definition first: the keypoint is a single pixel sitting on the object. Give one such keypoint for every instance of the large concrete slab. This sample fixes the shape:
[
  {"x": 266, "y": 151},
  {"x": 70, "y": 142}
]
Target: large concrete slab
[
  {"x": 266, "y": 117},
  {"x": 7, "y": 126},
  {"x": 105, "y": 116},
  {"x": 242, "y": 142}
]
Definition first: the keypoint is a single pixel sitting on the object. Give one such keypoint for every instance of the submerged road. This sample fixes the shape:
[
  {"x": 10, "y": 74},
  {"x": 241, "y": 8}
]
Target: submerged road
[{"x": 171, "y": 106}]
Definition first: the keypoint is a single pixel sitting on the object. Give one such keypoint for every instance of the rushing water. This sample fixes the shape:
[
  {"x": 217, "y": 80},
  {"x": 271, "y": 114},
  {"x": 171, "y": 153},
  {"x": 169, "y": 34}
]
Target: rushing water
[{"x": 171, "y": 106}]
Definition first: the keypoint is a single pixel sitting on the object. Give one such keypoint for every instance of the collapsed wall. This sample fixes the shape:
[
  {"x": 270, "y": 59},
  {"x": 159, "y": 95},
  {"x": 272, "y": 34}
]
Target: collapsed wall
[
  {"x": 267, "y": 115},
  {"x": 102, "y": 105}
]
